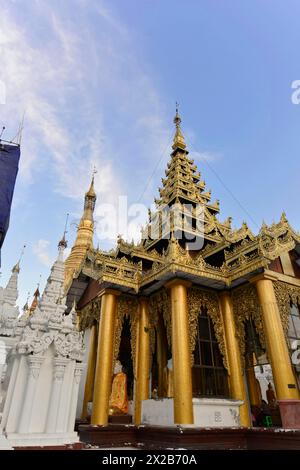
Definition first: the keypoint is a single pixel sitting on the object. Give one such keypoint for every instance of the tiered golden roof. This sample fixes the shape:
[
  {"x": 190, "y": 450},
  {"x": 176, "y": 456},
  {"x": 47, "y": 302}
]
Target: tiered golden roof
[{"x": 226, "y": 257}]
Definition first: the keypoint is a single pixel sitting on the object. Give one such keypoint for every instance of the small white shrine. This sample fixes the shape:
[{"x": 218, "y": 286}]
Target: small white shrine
[
  {"x": 44, "y": 370},
  {"x": 9, "y": 313}
]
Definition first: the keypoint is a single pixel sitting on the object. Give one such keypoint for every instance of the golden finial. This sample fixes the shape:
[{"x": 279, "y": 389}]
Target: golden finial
[
  {"x": 36, "y": 297},
  {"x": 178, "y": 141},
  {"x": 16, "y": 268},
  {"x": 26, "y": 311},
  {"x": 91, "y": 191},
  {"x": 177, "y": 119},
  {"x": 63, "y": 242}
]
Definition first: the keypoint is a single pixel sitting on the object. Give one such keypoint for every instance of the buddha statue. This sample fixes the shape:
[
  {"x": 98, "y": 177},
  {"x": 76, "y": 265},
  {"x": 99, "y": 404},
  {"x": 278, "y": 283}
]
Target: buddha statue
[{"x": 118, "y": 404}]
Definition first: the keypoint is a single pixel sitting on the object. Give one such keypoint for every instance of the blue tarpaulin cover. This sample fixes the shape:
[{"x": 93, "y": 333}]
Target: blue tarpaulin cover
[{"x": 9, "y": 163}]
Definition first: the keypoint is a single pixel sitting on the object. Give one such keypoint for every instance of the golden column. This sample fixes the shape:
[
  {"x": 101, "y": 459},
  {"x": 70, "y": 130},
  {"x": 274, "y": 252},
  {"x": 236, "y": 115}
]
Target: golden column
[
  {"x": 253, "y": 383},
  {"x": 162, "y": 357},
  {"x": 90, "y": 374},
  {"x": 284, "y": 379},
  {"x": 236, "y": 377},
  {"x": 181, "y": 355},
  {"x": 103, "y": 376},
  {"x": 143, "y": 360}
]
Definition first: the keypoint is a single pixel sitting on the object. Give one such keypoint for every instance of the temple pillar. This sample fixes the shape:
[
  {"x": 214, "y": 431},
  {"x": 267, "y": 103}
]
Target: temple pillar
[
  {"x": 253, "y": 383},
  {"x": 143, "y": 360},
  {"x": 103, "y": 374},
  {"x": 236, "y": 377},
  {"x": 90, "y": 374},
  {"x": 278, "y": 354},
  {"x": 181, "y": 354},
  {"x": 162, "y": 358}
]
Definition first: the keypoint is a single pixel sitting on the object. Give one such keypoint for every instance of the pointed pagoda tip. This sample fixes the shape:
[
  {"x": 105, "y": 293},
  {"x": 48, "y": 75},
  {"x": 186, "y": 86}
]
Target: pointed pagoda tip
[
  {"x": 283, "y": 217},
  {"x": 35, "y": 300},
  {"x": 91, "y": 192},
  {"x": 16, "y": 268},
  {"x": 178, "y": 141},
  {"x": 37, "y": 292},
  {"x": 26, "y": 306},
  {"x": 62, "y": 244}
]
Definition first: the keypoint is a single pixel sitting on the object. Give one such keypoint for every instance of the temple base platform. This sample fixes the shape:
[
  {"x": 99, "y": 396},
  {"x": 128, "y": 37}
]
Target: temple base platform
[{"x": 185, "y": 437}]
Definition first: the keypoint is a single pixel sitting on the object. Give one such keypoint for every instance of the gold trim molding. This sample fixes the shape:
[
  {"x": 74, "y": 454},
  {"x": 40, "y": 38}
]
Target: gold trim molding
[
  {"x": 127, "y": 307},
  {"x": 285, "y": 295},
  {"x": 245, "y": 307}
]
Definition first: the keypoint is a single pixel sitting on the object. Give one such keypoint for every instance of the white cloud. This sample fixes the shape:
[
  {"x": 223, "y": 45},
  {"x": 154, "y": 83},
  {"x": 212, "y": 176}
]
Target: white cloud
[
  {"x": 41, "y": 250},
  {"x": 80, "y": 85}
]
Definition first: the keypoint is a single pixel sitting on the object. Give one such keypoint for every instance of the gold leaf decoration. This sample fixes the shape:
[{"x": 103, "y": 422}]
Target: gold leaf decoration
[{"x": 245, "y": 307}]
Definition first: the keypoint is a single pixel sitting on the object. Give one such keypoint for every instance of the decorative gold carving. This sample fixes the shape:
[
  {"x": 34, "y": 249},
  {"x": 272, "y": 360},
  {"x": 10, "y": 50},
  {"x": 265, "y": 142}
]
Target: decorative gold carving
[
  {"x": 160, "y": 304},
  {"x": 89, "y": 314},
  {"x": 197, "y": 299},
  {"x": 245, "y": 307},
  {"x": 127, "y": 307},
  {"x": 243, "y": 252},
  {"x": 285, "y": 296}
]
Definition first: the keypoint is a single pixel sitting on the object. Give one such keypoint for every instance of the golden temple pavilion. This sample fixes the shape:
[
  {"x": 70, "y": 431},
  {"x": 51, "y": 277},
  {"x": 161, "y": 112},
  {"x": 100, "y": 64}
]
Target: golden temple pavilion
[{"x": 216, "y": 301}]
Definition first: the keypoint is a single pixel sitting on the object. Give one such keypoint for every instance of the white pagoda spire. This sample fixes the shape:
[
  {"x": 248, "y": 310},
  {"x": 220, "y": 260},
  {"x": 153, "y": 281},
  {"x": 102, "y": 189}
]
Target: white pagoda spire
[
  {"x": 9, "y": 311},
  {"x": 52, "y": 302},
  {"x": 10, "y": 293}
]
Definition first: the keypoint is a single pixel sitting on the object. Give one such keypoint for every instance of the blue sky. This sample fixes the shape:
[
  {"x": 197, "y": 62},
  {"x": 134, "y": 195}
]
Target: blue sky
[{"x": 98, "y": 82}]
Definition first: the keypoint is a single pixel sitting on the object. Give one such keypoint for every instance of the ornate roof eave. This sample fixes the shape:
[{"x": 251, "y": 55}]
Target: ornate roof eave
[
  {"x": 276, "y": 229},
  {"x": 213, "y": 249},
  {"x": 274, "y": 249},
  {"x": 176, "y": 261},
  {"x": 277, "y": 238},
  {"x": 235, "y": 236}
]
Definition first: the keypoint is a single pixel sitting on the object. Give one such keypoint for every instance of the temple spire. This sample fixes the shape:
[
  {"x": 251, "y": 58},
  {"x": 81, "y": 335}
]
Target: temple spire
[
  {"x": 178, "y": 141},
  {"x": 26, "y": 306},
  {"x": 182, "y": 186},
  {"x": 91, "y": 191},
  {"x": 90, "y": 200},
  {"x": 35, "y": 300},
  {"x": 16, "y": 268},
  {"x": 62, "y": 244},
  {"x": 84, "y": 237}
]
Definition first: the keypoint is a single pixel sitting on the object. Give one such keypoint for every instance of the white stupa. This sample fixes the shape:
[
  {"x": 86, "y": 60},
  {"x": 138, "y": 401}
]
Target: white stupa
[{"x": 44, "y": 374}]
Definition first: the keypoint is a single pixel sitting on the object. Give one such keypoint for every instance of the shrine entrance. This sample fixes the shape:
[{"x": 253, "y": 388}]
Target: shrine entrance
[
  {"x": 208, "y": 373},
  {"x": 125, "y": 356},
  {"x": 161, "y": 364}
]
